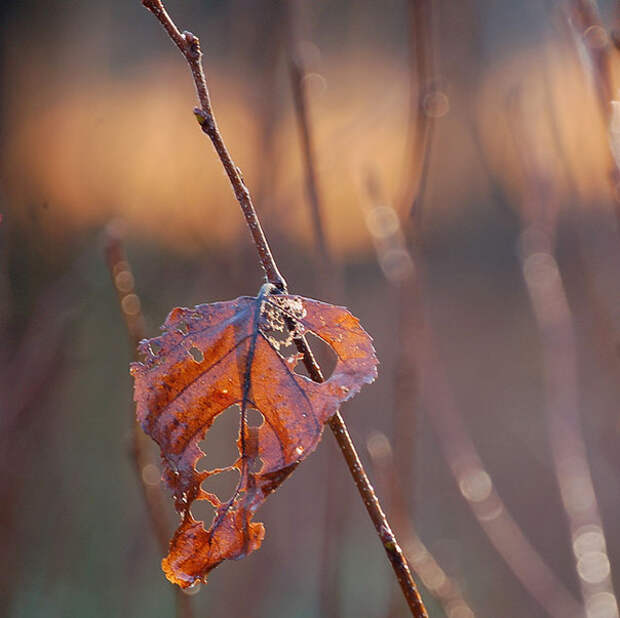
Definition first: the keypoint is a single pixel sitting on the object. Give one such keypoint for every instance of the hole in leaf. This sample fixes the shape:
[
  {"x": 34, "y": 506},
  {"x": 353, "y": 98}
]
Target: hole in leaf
[
  {"x": 220, "y": 443},
  {"x": 223, "y": 484},
  {"x": 183, "y": 328},
  {"x": 281, "y": 340},
  {"x": 154, "y": 347},
  {"x": 253, "y": 418},
  {"x": 324, "y": 355},
  {"x": 196, "y": 354},
  {"x": 203, "y": 510},
  {"x": 279, "y": 325}
]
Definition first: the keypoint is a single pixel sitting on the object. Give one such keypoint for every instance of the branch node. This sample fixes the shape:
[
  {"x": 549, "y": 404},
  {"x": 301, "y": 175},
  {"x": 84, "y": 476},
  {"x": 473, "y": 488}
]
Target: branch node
[
  {"x": 193, "y": 45},
  {"x": 204, "y": 120}
]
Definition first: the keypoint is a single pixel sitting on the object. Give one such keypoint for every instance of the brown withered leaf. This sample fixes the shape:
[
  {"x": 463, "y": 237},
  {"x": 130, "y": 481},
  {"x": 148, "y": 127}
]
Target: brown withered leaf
[{"x": 217, "y": 355}]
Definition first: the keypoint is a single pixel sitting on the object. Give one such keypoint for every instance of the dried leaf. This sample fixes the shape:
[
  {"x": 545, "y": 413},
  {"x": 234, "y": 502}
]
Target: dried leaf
[{"x": 218, "y": 355}]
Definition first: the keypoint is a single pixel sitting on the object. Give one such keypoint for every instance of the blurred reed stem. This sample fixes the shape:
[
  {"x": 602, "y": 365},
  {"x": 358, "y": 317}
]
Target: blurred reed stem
[
  {"x": 473, "y": 479},
  {"x": 131, "y": 311},
  {"x": 553, "y": 314},
  {"x": 330, "y": 282}
]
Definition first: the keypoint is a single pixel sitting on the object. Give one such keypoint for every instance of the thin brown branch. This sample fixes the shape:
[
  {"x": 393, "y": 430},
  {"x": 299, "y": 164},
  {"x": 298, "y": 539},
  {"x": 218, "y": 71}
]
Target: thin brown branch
[
  {"x": 188, "y": 44},
  {"x": 129, "y": 302},
  {"x": 388, "y": 540}
]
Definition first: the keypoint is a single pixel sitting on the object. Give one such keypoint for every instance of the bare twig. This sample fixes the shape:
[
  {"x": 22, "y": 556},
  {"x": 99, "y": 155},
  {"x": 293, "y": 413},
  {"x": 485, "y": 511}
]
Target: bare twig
[
  {"x": 189, "y": 46},
  {"x": 388, "y": 540},
  {"x": 330, "y": 281},
  {"x": 129, "y": 303}
]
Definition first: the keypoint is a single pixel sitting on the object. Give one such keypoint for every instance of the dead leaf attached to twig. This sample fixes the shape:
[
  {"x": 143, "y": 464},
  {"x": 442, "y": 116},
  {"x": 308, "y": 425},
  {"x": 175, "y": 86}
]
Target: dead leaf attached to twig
[{"x": 230, "y": 353}]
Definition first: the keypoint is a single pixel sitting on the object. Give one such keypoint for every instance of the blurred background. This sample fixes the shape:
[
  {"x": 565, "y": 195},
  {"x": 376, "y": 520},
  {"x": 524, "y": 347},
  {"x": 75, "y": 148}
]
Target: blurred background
[{"x": 492, "y": 431}]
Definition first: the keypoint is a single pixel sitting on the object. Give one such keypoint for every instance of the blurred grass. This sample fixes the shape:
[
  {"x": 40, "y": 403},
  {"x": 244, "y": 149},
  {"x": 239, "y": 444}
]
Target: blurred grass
[{"x": 87, "y": 138}]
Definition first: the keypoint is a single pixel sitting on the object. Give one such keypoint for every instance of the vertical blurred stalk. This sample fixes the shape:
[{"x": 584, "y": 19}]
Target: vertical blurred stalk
[
  {"x": 268, "y": 46},
  {"x": 420, "y": 362},
  {"x": 553, "y": 315},
  {"x": 32, "y": 361},
  {"x": 474, "y": 481},
  {"x": 265, "y": 36},
  {"x": 400, "y": 265},
  {"x": 131, "y": 310},
  {"x": 421, "y": 119},
  {"x": 427, "y": 104},
  {"x": 595, "y": 46},
  {"x": 330, "y": 283}
]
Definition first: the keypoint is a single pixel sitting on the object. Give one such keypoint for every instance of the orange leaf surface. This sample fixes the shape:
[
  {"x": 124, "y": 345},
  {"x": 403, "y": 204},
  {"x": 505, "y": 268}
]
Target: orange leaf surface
[{"x": 230, "y": 353}]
